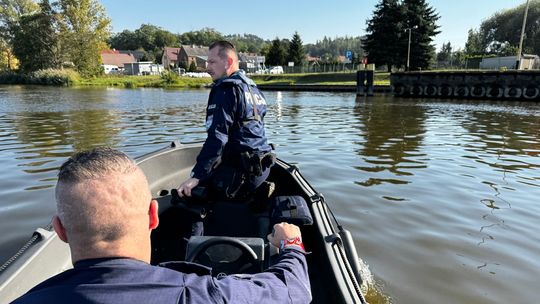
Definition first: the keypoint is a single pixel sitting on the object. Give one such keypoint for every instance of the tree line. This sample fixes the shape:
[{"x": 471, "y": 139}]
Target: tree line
[
  {"x": 387, "y": 39},
  {"x": 47, "y": 35},
  {"x": 152, "y": 39},
  {"x": 44, "y": 34},
  {"x": 498, "y": 35}
]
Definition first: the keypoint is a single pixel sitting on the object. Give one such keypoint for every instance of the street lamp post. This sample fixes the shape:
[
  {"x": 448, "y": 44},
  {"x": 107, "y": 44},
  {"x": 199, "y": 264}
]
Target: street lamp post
[
  {"x": 409, "y": 50},
  {"x": 520, "y": 48},
  {"x": 409, "y": 47}
]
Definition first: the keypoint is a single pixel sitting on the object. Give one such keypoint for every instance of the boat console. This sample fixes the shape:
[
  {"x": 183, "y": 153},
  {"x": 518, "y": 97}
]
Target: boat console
[{"x": 227, "y": 255}]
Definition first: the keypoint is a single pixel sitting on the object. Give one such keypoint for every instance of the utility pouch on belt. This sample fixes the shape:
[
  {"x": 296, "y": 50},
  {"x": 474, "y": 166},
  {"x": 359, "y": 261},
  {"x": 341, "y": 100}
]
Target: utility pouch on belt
[
  {"x": 254, "y": 163},
  {"x": 227, "y": 181},
  {"x": 290, "y": 209}
]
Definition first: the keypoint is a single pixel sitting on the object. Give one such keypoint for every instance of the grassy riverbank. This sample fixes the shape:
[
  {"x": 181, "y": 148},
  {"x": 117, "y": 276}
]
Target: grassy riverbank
[
  {"x": 171, "y": 80},
  {"x": 187, "y": 82},
  {"x": 151, "y": 81}
]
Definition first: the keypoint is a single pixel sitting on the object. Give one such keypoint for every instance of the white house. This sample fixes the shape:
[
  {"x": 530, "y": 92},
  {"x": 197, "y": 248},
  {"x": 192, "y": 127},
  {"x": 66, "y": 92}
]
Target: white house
[
  {"x": 142, "y": 68},
  {"x": 528, "y": 62}
]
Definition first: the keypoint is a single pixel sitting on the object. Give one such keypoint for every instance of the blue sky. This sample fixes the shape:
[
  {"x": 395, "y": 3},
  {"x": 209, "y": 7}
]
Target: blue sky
[{"x": 312, "y": 19}]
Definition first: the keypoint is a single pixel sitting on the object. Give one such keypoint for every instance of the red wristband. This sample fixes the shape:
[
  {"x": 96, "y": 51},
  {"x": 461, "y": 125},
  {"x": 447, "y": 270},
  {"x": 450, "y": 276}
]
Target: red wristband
[{"x": 297, "y": 241}]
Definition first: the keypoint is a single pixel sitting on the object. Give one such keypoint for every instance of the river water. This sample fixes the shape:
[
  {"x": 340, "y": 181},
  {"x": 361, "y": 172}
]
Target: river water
[{"x": 442, "y": 197}]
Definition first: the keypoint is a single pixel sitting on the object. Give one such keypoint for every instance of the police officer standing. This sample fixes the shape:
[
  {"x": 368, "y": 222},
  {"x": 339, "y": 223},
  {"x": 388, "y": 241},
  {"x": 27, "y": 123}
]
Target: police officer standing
[{"x": 235, "y": 156}]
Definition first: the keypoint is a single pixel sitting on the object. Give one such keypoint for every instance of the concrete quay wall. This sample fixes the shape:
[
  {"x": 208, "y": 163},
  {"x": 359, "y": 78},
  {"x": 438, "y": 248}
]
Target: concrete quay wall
[
  {"x": 495, "y": 85},
  {"x": 319, "y": 88}
]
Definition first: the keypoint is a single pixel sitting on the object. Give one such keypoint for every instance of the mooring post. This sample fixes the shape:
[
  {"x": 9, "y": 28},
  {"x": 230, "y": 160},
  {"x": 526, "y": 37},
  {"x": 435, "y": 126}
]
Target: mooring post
[
  {"x": 361, "y": 80},
  {"x": 364, "y": 80},
  {"x": 369, "y": 79}
]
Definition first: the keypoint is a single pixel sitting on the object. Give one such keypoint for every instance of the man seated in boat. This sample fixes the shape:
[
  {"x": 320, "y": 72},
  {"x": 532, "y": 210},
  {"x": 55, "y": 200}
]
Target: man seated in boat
[
  {"x": 106, "y": 214},
  {"x": 235, "y": 158}
]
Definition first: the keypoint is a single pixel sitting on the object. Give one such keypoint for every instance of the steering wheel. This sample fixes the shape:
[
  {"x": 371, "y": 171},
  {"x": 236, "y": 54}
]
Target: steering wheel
[{"x": 219, "y": 262}]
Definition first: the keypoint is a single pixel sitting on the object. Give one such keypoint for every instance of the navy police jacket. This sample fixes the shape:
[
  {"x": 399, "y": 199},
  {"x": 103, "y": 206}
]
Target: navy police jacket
[
  {"x": 131, "y": 281},
  {"x": 231, "y": 123}
]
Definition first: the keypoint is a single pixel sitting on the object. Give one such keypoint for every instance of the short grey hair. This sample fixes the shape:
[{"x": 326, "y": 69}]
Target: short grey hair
[
  {"x": 224, "y": 47},
  {"x": 99, "y": 211},
  {"x": 94, "y": 164}
]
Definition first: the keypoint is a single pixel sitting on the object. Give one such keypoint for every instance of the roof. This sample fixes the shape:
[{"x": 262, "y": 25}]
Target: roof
[
  {"x": 137, "y": 54},
  {"x": 313, "y": 58},
  {"x": 172, "y": 53},
  {"x": 196, "y": 50},
  {"x": 117, "y": 59},
  {"x": 246, "y": 57}
]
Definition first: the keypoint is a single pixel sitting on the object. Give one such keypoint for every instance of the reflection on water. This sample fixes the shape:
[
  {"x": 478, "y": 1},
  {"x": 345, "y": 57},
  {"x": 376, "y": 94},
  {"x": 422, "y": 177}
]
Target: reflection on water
[
  {"x": 439, "y": 196},
  {"x": 390, "y": 148}
]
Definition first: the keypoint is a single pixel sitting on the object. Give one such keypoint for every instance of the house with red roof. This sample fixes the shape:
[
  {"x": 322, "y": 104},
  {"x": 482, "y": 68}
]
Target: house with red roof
[
  {"x": 112, "y": 59},
  {"x": 170, "y": 57}
]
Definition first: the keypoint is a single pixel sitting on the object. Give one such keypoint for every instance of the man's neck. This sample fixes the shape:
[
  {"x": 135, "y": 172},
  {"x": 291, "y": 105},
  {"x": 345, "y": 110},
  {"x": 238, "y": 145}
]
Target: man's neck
[{"x": 110, "y": 250}]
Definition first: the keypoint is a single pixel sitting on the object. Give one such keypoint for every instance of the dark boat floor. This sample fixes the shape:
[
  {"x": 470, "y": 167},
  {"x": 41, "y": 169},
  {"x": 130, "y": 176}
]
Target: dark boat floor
[
  {"x": 226, "y": 218},
  {"x": 243, "y": 219}
]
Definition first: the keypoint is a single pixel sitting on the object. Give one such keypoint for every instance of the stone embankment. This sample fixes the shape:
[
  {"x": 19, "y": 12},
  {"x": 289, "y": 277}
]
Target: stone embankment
[
  {"x": 322, "y": 88},
  {"x": 507, "y": 85}
]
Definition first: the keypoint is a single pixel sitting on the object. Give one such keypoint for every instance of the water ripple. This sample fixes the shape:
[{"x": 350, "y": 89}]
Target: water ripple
[{"x": 448, "y": 183}]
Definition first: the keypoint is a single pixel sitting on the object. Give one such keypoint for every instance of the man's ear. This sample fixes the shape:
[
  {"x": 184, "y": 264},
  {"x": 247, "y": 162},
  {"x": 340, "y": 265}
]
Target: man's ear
[
  {"x": 153, "y": 215},
  {"x": 59, "y": 228},
  {"x": 230, "y": 62}
]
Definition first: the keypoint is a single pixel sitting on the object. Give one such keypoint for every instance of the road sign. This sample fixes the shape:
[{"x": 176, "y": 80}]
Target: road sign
[{"x": 348, "y": 54}]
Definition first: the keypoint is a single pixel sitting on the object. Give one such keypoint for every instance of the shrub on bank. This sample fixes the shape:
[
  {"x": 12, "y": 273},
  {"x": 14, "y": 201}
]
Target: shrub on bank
[
  {"x": 11, "y": 77},
  {"x": 169, "y": 77},
  {"x": 65, "y": 77}
]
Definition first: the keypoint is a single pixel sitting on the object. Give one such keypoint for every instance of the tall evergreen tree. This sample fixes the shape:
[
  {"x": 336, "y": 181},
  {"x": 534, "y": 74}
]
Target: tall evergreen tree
[
  {"x": 384, "y": 43},
  {"x": 277, "y": 53},
  {"x": 421, "y": 19},
  {"x": 296, "y": 54},
  {"x": 35, "y": 40}
]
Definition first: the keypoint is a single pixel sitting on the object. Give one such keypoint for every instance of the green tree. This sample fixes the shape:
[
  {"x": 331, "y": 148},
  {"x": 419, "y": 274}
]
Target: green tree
[
  {"x": 148, "y": 38},
  {"x": 445, "y": 53},
  {"x": 474, "y": 44},
  {"x": 459, "y": 58},
  {"x": 384, "y": 41},
  {"x": 84, "y": 32},
  {"x": 204, "y": 36},
  {"x": 277, "y": 53},
  {"x": 192, "y": 67},
  {"x": 35, "y": 40},
  {"x": 247, "y": 42},
  {"x": 421, "y": 19},
  {"x": 501, "y": 32},
  {"x": 337, "y": 46},
  {"x": 296, "y": 53},
  {"x": 125, "y": 40},
  {"x": 10, "y": 14},
  {"x": 154, "y": 39}
]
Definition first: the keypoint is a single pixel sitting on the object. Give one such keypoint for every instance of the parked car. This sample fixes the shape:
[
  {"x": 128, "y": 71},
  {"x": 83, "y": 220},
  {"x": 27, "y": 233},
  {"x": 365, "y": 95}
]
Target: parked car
[
  {"x": 275, "y": 70},
  {"x": 110, "y": 69},
  {"x": 180, "y": 71}
]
